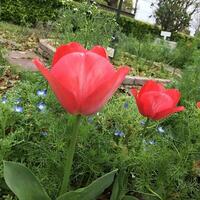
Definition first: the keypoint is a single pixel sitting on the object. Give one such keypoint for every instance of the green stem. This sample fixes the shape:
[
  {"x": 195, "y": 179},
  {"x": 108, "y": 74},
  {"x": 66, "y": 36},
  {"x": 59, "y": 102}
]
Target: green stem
[
  {"x": 145, "y": 126},
  {"x": 70, "y": 155}
]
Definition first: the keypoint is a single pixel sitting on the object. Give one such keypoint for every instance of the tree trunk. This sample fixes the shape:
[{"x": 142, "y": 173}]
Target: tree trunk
[{"x": 113, "y": 3}]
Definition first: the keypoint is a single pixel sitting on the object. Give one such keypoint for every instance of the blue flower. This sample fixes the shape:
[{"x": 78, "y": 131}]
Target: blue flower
[
  {"x": 126, "y": 105},
  {"x": 119, "y": 133},
  {"x": 90, "y": 120},
  {"x": 18, "y": 109},
  {"x": 44, "y": 133},
  {"x": 18, "y": 100},
  {"x": 143, "y": 122},
  {"x": 151, "y": 142},
  {"x": 41, "y": 106},
  {"x": 42, "y": 93},
  {"x": 4, "y": 100},
  {"x": 160, "y": 129}
]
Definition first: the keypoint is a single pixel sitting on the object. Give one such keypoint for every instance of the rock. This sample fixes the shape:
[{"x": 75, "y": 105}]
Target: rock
[
  {"x": 45, "y": 49},
  {"x": 22, "y": 59},
  {"x": 139, "y": 81}
]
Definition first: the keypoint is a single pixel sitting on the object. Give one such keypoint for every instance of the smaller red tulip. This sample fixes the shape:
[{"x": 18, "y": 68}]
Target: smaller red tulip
[
  {"x": 156, "y": 102},
  {"x": 198, "y": 104}
]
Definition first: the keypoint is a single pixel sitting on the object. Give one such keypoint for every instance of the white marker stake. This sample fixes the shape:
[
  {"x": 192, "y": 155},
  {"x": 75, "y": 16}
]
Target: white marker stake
[{"x": 165, "y": 34}]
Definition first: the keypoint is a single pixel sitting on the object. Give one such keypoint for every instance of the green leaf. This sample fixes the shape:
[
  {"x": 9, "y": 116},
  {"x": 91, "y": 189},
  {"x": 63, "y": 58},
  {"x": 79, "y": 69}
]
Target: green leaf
[
  {"x": 92, "y": 191},
  {"x": 23, "y": 183},
  {"x": 130, "y": 198},
  {"x": 120, "y": 185}
]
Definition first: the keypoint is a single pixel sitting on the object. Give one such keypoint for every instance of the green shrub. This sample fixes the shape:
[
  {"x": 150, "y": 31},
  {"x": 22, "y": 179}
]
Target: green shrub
[
  {"x": 84, "y": 24},
  {"x": 183, "y": 55},
  {"x": 26, "y": 12}
]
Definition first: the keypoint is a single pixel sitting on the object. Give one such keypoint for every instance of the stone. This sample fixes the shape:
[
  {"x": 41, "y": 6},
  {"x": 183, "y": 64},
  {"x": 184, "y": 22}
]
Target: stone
[
  {"x": 111, "y": 52},
  {"x": 170, "y": 44},
  {"x": 46, "y": 49},
  {"x": 22, "y": 59},
  {"x": 139, "y": 81}
]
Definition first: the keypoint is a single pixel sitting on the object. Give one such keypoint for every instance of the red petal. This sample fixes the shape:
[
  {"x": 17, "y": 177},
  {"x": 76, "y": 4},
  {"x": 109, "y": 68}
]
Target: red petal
[
  {"x": 151, "y": 86},
  {"x": 82, "y": 73},
  {"x": 167, "y": 113},
  {"x": 65, "y": 97},
  {"x": 103, "y": 93},
  {"x": 134, "y": 92},
  {"x": 66, "y": 49},
  {"x": 198, "y": 104},
  {"x": 153, "y": 102},
  {"x": 100, "y": 51},
  {"x": 174, "y": 94}
]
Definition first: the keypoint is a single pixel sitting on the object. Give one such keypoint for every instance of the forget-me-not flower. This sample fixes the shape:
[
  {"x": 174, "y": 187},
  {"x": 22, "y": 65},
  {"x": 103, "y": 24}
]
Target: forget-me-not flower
[
  {"x": 18, "y": 109},
  {"x": 41, "y": 106}
]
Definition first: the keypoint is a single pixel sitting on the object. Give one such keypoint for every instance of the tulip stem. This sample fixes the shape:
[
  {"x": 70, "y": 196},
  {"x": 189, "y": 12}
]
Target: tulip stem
[{"x": 70, "y": 155}]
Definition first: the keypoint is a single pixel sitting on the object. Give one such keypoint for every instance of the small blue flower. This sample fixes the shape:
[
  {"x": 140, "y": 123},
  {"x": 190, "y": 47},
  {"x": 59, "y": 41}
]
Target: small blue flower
[
  {"x": 151, "y": 142},
  {"x": 42, "y": 93},
  {"x": 119, "y": 133},
  {"x": 4, "y": 100},
  {"x": 18, "y": 100},
  {"x": 18, "y": 109},
  {"x": 126, "y": 105},
  {"x": 160, "y": 129},
  {"x": 143, "y": 122},
  {"x": 44, "y": 133},
  {"x": 41, "y": 106},
  {"x": 90, "y": 120}
]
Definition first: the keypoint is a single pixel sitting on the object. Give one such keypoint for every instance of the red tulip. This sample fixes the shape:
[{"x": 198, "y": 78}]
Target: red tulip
[
  {"x": 83, "y": 80},
  {"x": 198, "y": 104},
  {"x": 156, "y": 102}
]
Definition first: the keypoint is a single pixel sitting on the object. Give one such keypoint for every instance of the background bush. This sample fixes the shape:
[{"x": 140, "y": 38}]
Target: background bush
[
  {"x": 26, "y": 12},
  {"x": 29, "y": 12}
]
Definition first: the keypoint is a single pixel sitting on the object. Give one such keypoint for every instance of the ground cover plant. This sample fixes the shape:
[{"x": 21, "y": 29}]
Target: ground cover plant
[
  {"x": 155, "y": 159},
  {"x": 115, "y": 140}
]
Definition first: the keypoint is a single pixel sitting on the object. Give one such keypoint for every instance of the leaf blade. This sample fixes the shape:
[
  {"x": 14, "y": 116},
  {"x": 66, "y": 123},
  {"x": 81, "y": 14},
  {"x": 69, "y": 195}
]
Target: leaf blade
[
  {"x": 22, "y": 182},
  {"x": 92, "y": 191}
]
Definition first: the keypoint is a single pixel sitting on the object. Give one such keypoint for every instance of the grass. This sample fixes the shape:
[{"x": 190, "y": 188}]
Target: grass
[{"x": 162, "y": 165}]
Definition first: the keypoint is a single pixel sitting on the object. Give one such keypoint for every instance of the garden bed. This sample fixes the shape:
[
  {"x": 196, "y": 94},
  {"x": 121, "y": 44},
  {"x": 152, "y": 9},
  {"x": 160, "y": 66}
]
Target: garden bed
[{"x": 46, "y": 49}]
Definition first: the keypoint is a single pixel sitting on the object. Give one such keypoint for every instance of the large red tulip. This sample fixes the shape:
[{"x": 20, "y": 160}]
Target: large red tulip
[
  {"x": 198, "y": 104},
  {"x": 156, "y": 102},
  {"x": 83, "y": 80}
]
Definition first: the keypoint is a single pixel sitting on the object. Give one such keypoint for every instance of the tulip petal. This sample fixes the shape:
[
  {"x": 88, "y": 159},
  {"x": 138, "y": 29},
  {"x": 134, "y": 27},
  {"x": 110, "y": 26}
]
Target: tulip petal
[
  {"x": 198, "y": 104},
  {"x": 100, "y": 51},
  {"x": 103, "y": 93},
  {"x": 168, "y": 112},
  {"x": 82, "y": 73},
  {"x": 65, "y": 97},
  {"x": 134, "y": 92},
  {"x": 152, "y": 102},
  {"x": 151, "y": 86},
  {"x": 66, "y": 49},
  {"x": 174, "y": 94}
]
